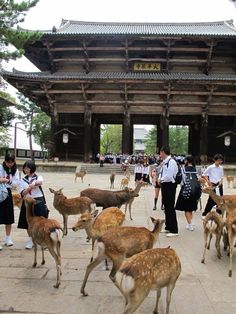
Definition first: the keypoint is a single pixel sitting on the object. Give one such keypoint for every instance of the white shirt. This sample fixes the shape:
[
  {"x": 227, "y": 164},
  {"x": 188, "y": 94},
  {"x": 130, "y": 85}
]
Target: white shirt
[
  {"x": 138, "y": 168},
  {"x": 14, "y": 180},
  {"x": 145, "y": 170},
  {"x": 169, "y": 170},
  {"x": 35, "y": 192},
  {"x": 214, "y": 173}
]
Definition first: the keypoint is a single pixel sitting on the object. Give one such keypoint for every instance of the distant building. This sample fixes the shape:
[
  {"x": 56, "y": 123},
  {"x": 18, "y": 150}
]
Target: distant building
[{"x": 139, "y": 135}]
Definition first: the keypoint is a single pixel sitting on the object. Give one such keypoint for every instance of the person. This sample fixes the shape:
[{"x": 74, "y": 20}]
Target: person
[
  {"x": 214, "y": 175},
  {"x": 9, "y": 175},
  {"x": 145, "y": 172},
  {"x": 155, "y": 174},
  {"x": 168, "y": 191},
  {"x": 183, "y": 204},
  {"x": 31, "y": 186},
  {"x": 137, "y": 171}
]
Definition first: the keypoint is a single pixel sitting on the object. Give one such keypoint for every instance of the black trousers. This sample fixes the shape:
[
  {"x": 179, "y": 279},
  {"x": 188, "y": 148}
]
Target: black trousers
[
  {"x": 210, "y": 203},
  {"x": 168, "y": 191}
]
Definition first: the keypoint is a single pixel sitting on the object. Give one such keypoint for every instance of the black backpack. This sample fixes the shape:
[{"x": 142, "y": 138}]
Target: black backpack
[
  {"x": 191, "y": 189},
  {"x": 179, "y": 176}
]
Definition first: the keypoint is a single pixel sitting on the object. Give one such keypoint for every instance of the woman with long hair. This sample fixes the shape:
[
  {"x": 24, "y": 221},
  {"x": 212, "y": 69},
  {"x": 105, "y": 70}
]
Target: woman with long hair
[{"x": 9, "y": 175}]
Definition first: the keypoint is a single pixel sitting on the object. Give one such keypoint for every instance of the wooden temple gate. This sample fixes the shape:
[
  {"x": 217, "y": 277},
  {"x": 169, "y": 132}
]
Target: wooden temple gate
[{"x": 134, "y": 73}]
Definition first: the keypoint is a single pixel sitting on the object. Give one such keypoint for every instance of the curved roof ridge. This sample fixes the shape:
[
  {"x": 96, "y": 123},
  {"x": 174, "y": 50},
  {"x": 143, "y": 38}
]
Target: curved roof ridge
[{"x": 222, "y": 22}]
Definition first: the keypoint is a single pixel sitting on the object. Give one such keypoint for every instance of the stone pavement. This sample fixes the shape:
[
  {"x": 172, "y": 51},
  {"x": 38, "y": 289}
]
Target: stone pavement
[{"x": 201, "y": 288}]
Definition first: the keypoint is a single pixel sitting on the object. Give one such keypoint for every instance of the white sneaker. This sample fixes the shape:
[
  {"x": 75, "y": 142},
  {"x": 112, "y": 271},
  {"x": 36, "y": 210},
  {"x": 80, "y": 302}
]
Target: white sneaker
[
  {"x": 190, "y": 227},
  {"x": 0, "y": 247},
  {"x": 171, "y": 235},
  {"x": 29, "y": 244},
  {"x": 8, "y": 241},
  {"x": 165, "y": 231}
]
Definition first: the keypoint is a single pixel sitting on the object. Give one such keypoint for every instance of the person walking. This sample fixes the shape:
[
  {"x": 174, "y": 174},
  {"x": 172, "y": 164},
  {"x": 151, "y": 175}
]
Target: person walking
[
  {"x": 168, "y": 191},
  {"x": 137, "y": 171},
  {"x": 214, "y": 175},
  {"x": 9, "y": 175},
  {"x": 185, "y": 202},
  {"x": 31, "y": 186}
]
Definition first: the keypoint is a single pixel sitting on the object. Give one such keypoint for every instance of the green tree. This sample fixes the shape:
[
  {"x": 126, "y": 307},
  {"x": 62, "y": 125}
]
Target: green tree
[
  {"x": 4, "y": 139},
  {"x": 12, "y": 13},
  {"x": 150, "y": 141},
  {"x": 27, "y": 110},
  {"x": 178, "y": 140},
  {"x": 41, "y": 129},
  {"x": 111, "y": 141}
]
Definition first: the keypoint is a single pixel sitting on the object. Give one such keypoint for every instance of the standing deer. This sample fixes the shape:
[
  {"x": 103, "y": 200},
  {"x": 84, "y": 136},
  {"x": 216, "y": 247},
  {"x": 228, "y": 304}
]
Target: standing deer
[
  {"x": 120, "y": 243},
  {"x": 112, "y": 180},
  {"x": 151, "y": 269},
  {"x": 130, "y": 202},
  {"x": 212, "y": 224},
  {"x": 70, "y": 206},
  {"x": 44, "y": 232},
  {"x": 231, "y": 230},
  {"x": 80, "y": 174}
]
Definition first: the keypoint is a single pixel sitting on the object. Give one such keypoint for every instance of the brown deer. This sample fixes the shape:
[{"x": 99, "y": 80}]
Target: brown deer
[
  {"x": 17, "y": 199},
  {"x": 120, "y": 243},
  {"x": 96, "y": 225},
  {"x": 130, "y": 202},
  {"x": 81, "y": 175},
  {"x": 231, "y": 231},
  {"x": 124, "y": 183},
  {"x": 212, "y": 225},
  {"x": 230, "y": 179},
  {"x": 112, "y": 180},
  {"x": 70, "y": 206},
  {"x": 46, "y": 233},
  {"x": 151, "y": 269}
]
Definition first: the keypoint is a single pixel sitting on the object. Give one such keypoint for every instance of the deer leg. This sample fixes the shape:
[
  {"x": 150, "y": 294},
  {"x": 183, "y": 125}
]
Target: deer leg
[
  {"x": 170, "y": 288},
  {"x": 205, "y": 247},
  {"x": 231, "y": 247},
  {"x": 35, "y": 254},
  {"x": 155, "y": 311},
  {"x": 89, "y": 268},
  {"x": 58, "y": 265},
  {"x": 130, "y": 210},
  {"x": 115, "y": 267},
  {"x": 134, "y": 300},
  {"x": 209, "y": 243},
  {"x": 217, "y": 244},
  {"x": 58, "y": 249},
  {"x": 43, "y": 259},
  {"x": 65, "y": 220}
]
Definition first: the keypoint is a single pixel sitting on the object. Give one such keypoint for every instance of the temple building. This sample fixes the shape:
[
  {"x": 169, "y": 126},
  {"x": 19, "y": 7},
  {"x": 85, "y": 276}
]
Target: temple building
[{"x": 163, "y": 74}]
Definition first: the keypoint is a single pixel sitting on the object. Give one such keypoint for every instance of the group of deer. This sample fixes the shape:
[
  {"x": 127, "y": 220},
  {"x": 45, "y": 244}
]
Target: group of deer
[
  {"x": 221, "y": 225},
  {"x": 137, "y": 266}
]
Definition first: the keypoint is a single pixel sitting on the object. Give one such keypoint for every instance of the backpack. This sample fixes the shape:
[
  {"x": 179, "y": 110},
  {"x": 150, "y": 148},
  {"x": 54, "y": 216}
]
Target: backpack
[
  {"x": 178, "y": 177},
  {"x": 191, "y": 189},
  {"x": 3, "y": 192}
]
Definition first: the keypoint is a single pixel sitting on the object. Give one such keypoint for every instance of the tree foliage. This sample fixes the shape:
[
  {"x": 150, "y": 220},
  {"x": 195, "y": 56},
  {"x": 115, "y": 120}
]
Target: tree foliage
[
  {"x": 12, "y": 13},
  {"x": 111, "y": 141},
  {"x": 150, "y": 141}
]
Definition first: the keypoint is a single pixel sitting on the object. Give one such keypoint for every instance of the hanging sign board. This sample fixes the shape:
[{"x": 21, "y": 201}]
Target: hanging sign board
[{"x": 149, "y": 67}]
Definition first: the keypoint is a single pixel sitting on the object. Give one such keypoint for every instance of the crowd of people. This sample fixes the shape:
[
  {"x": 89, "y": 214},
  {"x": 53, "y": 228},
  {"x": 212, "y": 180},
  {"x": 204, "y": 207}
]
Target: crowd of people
[{"x": 161, "y": 169}]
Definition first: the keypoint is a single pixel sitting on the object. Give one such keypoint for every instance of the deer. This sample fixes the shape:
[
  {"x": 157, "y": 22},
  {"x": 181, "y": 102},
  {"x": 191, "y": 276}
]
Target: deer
[
  {"x": 230, "y": 179},
  {"x": 112, "y": 180},
  {"x": 213, "y": 224},
  {"x": 124, "y": 183},
  {"x": 230, "y": 223},
  {"x": 70, "y": 206},
  {"x": 130, "y": 202},
  {"x": 95, "y": 225},
  {"x": 152, "y": 269},
  {"x": 17, "y": 199},
  {"x": 119, "y": 243},
  {"x": 46, "y": 233},
  {"x": 81, "y": 175}
]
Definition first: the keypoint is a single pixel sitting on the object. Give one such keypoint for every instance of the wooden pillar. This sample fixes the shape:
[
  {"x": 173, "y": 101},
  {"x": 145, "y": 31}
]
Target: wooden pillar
[
  {"x": 194, "y": 138},
  {"x": 96, "y": 132},
  {"x": 126, "y": 133},
  {"x": 52, "y": 144},
  {"x": 164, "y": 124},
  {"x": 159, "y": 137},
  {"x": 87, "y": 133},
  {"x": 204, "y": 137}
]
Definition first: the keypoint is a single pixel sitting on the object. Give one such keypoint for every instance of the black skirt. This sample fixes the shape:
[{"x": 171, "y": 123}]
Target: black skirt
[
  {"x": 39, "y": 210},
  {"x": 7, "y": 210},
  {"x": 183, "y": 204}
]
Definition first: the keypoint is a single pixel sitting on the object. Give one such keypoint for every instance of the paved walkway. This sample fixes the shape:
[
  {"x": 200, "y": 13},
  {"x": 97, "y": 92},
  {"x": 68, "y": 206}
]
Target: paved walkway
[{"x": 201, "y": 289}]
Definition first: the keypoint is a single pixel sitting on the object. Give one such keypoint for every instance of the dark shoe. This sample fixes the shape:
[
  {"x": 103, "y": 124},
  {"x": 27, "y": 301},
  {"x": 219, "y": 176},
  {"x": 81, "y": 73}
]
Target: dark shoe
[{"x": 154, "y": 208}]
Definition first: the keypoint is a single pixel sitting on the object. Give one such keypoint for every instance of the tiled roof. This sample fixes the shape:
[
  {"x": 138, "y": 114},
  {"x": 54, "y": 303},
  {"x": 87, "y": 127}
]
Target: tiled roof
[
  {"x": 69, "y": 27},
  {"x": 41, "y": 76}
]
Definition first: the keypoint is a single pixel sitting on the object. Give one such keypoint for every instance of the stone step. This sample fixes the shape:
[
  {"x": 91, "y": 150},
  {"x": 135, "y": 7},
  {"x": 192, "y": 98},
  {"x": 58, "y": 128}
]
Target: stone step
[{"x": 107, "y": 168}]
